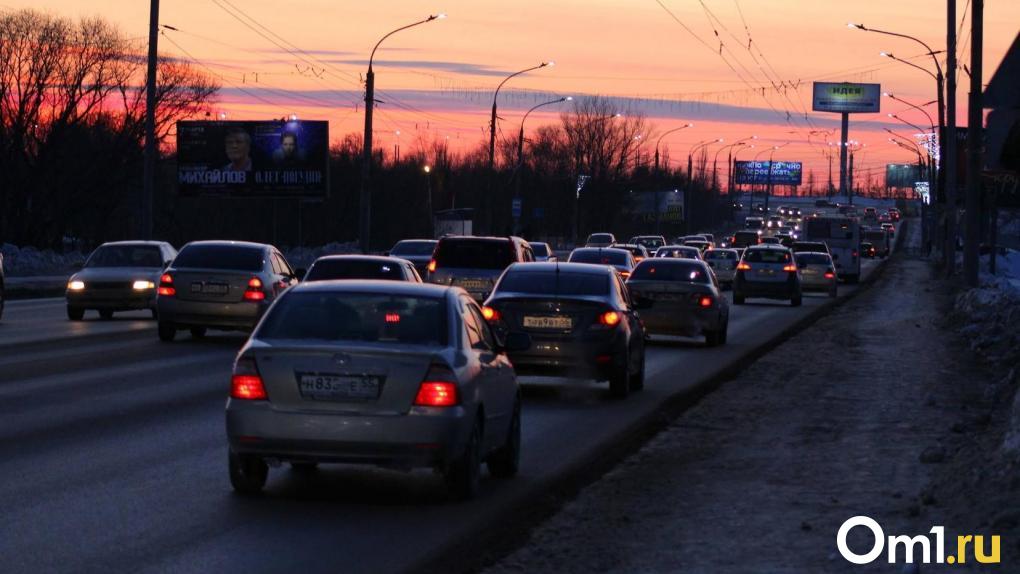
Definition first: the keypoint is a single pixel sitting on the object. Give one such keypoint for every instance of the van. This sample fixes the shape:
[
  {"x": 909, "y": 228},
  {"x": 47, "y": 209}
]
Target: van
[{"x": 475, "y": 263}]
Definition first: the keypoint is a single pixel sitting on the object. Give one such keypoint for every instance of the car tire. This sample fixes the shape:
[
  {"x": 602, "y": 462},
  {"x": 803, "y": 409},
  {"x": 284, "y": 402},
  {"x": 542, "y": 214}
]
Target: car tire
[
  {"x": 248, "y": 473},
  {"x": 619, "y": 381},
  {"x": 738, "y": 298},
  {"x": 105, "y": 314},
  {"x": 637, "y": 381},
  {"x": 462, "y": 474},
  {"x": 155, "y": 313},
  {"x": 198, "y": 332},
  {"x": 796, "y": 300},
  {"x": 75, "y": 313},
  {"x": 167, "y": 331},
  {"x": 505, "y": 462}
]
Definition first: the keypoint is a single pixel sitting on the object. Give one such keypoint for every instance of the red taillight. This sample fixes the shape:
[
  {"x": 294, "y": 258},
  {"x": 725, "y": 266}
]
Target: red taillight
[
  {"x": 705, "y": 302},
  {"x": 610, "y": 318},
  {"x": 490, "y": 314},
  {"x": 246, "y": 383},
  {"x": 432, "y": 266},
  {"x": 392, "y": 318},
  {"x": 829, "y": 275},
  {"x": 743, "y": 266},
  {"x": 791, "y": 268},
  {"x": 166, "y": 286},
  {"x": 439, "y": 389},
  {"x": 254, "y": 291}
]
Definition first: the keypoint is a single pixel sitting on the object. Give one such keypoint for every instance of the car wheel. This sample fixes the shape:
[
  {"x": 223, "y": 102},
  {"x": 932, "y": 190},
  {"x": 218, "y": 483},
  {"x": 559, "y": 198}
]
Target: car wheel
[
  {"x": 105, "y": 314},
  {"x": 198, "y": 332},
  {"x": 247, "y": 473},
  {"x": 637, "y": 381},
  {"x": 167, "y": 331},
  {"x": 75, "y": 313},
  {"x": 796, "y": 300},
  {"x": 738, "y": 298},
  {"x": 619, "y": 381},
  {"x": 462, "y": 474},
  {"x": 505, "y": 462}
]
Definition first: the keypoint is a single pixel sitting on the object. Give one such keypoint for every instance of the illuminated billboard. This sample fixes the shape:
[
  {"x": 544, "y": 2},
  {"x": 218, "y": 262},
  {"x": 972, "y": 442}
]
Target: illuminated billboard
[
  {"x": 844, "y": 97},
  {"x": 281, "y": 159},
  {"x": 765, "y": 172},
  {"x": 903, "y": 174}
]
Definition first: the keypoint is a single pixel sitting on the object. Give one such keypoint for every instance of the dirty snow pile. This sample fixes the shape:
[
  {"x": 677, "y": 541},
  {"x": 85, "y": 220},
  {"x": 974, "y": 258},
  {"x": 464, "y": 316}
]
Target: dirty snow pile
[{"x": 21, "y": 261}]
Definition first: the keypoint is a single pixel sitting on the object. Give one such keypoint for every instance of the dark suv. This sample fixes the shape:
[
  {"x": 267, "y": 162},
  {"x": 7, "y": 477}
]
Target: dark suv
[{"x": 475, "y": 263}]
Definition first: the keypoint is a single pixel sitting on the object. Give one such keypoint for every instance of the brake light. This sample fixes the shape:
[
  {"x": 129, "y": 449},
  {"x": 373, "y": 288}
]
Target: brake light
[
  {"x": 743, "y": 266},
  {"x": 705, "y": 302},
  {"x": 625, "y": 274},
  {"x": 166, "y": 286},
  {"x": 491, "y": 314},
  {"x": 853, "y": 253},
  {"x": 254, "y": 291},
  {"x": 790, "y": 267},
  {"x": 432, "y": 266},
  {"x": 439, "y": 389},
  {"x": 610, "y": 318},
  {"x": 246, "y": 383},
  {"x": 829, "y": 275},
  {"x": 392, "y": 318}
]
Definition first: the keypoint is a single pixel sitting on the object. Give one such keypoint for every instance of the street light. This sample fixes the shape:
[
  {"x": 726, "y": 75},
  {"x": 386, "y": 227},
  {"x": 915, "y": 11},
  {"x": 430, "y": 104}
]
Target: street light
[
  {"x": 520, "y": 148},
  {"x": 685, "y": 126},
  {"x": 428, "y": 197},
  {"x": 690, "y": 179},
  {"x": 892, "y": 96},
  {"x": 364, "y": 219},
  {"x": 906, "y": 123}
]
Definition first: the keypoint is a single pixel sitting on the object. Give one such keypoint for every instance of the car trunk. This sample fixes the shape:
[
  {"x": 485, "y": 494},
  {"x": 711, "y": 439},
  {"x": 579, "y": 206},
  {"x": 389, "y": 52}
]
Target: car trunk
[
  {"x": 550, "y": 316},
  {"x": 211, "y": 285},
  {"x": 370, "y": 380},
  {"x": 672, "y": 294}
]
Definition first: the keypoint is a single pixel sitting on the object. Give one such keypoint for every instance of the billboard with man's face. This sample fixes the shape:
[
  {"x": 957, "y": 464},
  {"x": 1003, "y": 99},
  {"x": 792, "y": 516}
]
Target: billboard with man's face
[
  {"x": 253, "y": 159},
  {"x": 766, "y": 172}
]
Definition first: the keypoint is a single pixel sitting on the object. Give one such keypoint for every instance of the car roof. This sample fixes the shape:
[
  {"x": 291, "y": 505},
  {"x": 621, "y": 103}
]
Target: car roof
[
  {"x": 354, "y": 257},
  {"x": 590, "y": 268},
  {"x": 227, "y": 243},
  {"x": 772, "y": 246},
  {"x": 417, "y": 241},
  {"x": 135, "y": 242},
  {"x": 610, "y": 249},
  {"x": 374, "y": 286}
]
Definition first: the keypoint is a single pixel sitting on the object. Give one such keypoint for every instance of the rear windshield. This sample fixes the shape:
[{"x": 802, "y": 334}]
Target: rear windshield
[
  {"x": 812, "y": 258},
  {"x": 406, "y": 248},
  {"x": 598, "y": 256},
  {"x": 552, "y": 283},
  {"x": 650, "y": 242},
  {"x": 126, "y": 256},
  {"x": 229, "y": 257},
  {"x": 369, "y": 317},
  {"x": 718, "y": 254},
  {"x": 672, "y": 270},
  {"x": 475, "y": 253},
  {"x": 879, "y": 235},
  {"x": 600, "y": 238},
  {"x": 826, "y": 229},
  {"x": 802, "y": 246},
  {"x": 540, "y": 249},
  {"x": 353, "y": 269},
  {"x": 766, "y": 256}
]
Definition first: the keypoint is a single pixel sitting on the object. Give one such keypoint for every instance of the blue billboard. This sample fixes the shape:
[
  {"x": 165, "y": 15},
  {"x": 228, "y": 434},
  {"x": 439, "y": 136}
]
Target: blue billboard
[{"x": 767, "y": 172}]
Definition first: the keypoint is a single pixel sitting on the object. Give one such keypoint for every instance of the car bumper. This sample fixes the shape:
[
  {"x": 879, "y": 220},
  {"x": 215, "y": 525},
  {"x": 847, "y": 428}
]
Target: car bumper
[
  {"x": 591, "y": 356},
  {"x": 425, "y": 437},
  {"x": 817, "y": 284},
  {"x": 127, "y": 300},
  {"x": 766, "y": 289},
  {"x": 242, "y": 315},
  {"x": 684, "y": 322}
]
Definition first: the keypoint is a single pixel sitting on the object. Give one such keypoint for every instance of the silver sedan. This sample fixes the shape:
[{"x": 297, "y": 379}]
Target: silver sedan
[
  {"x": 118, "y": 276},
  {"x": 680, "y": 297},
  {"x": 385, "y": 373}
]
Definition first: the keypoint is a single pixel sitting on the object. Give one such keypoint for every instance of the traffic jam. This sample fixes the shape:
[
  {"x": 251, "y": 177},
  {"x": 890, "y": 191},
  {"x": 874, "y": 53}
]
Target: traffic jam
[{"x": 416, "y": 357}]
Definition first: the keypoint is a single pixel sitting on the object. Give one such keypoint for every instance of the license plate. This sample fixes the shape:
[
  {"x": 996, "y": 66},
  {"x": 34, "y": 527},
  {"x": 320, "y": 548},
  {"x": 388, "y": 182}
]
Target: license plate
[
  {"x": 473, "y": 284},
  {"x": 664, "y": 297},
  {"x": 550, "y": 322},
  {"x": 331, "y": 387},
  {"x": 215, "y": 288}
]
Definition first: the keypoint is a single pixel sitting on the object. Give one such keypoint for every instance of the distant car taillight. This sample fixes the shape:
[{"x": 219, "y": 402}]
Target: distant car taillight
[
  {"x": 432, "y": 266},
  {"x": 743, "y": 266},
  {"x": 166, "y": 286},
  {"x": 830, "y": 275},
  {"x": 439, "y": 389},
  {"x": 246, "y": 383},
  {"x": 491, "y": 314},
  {"x": 254, "y": 291},
  {"x": 792, "y": 267},
  {"x": 703, "y": 300}
]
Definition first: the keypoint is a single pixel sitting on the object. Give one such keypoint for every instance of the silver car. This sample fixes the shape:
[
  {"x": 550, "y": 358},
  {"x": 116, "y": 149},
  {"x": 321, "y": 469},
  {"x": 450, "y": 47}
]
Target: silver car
[
  {"x": 724, "y": 263},
  {"x": 679, "y": 251},
  {"x": 620, "y": 259},
  {"x": 118, "y": 276},
  {"x": 417, "y": 251},
  {"x": 475, "y": 263},
  {"x": 225, "y": 285},
  {"x": 375, "y": 372},
  {"x": 817, "y": 272},
  {"x": 330, "y": 267},
  {"x": 767, "y": 271},
  {"x": 680, "y": 297}
]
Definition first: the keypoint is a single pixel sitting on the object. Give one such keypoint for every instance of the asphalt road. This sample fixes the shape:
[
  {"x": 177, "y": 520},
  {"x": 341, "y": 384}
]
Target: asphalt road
[{"x": 114, "y": 458}]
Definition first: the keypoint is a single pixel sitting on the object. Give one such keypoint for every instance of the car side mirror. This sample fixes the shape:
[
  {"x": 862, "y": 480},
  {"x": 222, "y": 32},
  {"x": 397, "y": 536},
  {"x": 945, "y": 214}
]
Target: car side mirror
[
  {"x": 516, "y": 342},
  {"x": 300, "y": 273}
]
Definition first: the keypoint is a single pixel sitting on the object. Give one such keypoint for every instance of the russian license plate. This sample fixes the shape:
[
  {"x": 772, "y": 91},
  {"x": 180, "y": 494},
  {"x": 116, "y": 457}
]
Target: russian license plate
[
  {"x": 212, "y": 288},
  {"x": 473, "y": 284},
  {"x": 549, "y": 322},
  {"x": 330, "y": 387}
]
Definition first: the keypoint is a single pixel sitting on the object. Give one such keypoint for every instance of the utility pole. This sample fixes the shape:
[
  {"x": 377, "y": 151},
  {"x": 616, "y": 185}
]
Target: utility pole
[
  {"x": 365, "y": 216},
  {"x": 844, "y": 128},
  {"x": 948, "y": 159},
  {"x": 974, "y": 147},
  {"x": 149, "y": 161}
]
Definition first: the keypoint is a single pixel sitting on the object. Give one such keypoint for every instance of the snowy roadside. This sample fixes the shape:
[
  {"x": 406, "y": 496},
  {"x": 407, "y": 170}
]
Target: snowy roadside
[{"x": 878, "y": 409}]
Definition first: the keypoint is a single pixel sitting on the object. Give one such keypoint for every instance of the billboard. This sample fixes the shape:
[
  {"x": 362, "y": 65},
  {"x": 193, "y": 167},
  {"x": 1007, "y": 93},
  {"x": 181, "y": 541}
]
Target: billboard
[
  {"x": 758, "y": 172},
  {"x": 281, "y": 159},
  {"x": 844, "y": 97},
  {"x": 667, "y": 203},
  {"x": 903, "y": 174}
]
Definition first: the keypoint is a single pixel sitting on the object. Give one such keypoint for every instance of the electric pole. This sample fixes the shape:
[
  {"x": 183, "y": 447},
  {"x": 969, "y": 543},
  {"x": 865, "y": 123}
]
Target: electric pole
[
  {"x": 974, "y": 147},
  {"x": 149, "y": 160}
]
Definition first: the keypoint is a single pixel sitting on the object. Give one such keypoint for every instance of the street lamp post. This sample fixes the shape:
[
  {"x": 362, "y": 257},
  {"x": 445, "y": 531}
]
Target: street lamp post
[
  {"x": 365, "y": 217},
  {"x": 520, "y": 151},
  {"x": 428, "y": 198},
  {"x": 492, "y": 139},
  {"x": 690, "y": 179},
  {"x": 657, "y": 142}
]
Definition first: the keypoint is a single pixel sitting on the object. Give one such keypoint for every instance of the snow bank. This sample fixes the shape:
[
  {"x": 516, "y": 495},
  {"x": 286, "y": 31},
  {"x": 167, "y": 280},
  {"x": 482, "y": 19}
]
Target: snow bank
[{"x": 22, "y": 261}]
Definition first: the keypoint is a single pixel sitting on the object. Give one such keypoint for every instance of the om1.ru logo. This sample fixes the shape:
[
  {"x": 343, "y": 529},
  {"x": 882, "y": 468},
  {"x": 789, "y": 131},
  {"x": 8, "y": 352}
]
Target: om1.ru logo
[{"x": 910, "y": 545}]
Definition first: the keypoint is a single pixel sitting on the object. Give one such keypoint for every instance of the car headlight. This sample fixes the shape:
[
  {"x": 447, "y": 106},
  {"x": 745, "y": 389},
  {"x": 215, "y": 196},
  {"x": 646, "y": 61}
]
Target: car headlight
[
  {"x": 75, "y": 285},
  {"x": 143, "y": 285}
]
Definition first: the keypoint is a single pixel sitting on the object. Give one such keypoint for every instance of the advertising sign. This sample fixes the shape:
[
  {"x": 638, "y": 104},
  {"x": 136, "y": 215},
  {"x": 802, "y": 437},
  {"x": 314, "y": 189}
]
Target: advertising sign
[
  {"x": 283, "y": 159},
  {"x": 903, "y": 174},
  {"x": 757, "y": 172},
  {"x": 846, "y": 97},
  {"x": 668, "y": 203}
]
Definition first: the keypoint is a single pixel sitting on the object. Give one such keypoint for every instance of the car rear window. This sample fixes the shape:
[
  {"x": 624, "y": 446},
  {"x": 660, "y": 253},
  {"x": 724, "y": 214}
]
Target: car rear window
[
  {"x": 552, "y": 283},
  {"x": 598, "y": 257},
  {"x": 411, "y": 248},
  {"x": 228, "y": 257},
  {"x": 600, "y": 238},
  {"x": 767, "y": 256},
  {"x": 670, "y": 270},
  {"x": 812, "y": 258},
  {"x": 475, "y": 253},
  {"x": 540, "y": 249},
  {"x": 719, "y": 254},
  {"x": 326, "y": 269},
  {"x": 649, "y": 242},
  {"x": 126, "y": 256},
  {"x": 369, "y": 317}
]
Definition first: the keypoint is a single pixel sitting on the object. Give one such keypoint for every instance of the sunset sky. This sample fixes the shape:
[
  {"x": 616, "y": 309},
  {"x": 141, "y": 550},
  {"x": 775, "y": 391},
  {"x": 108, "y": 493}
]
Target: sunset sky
[{"x": 659, "y": 57}]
